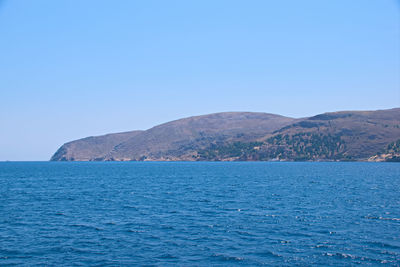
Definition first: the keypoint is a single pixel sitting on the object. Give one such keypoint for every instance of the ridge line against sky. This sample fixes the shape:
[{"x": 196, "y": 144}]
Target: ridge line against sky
[{"x": 72, "y": 69}]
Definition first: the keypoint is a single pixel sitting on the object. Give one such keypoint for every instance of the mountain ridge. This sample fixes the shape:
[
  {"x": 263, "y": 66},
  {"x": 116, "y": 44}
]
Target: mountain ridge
[{"x": 236, "y": 136}]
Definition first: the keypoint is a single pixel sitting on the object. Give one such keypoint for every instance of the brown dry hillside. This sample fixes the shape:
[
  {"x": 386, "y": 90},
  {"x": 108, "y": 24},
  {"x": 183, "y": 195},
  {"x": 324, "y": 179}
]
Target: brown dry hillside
[
  {"x": 175, "y": 140},
  {"x": 345, "y": 135},
  {"x": 91, "y": 148}
]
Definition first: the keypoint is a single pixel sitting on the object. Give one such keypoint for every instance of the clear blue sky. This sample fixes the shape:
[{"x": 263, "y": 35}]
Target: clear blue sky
[{"x": 71, "y": 69}]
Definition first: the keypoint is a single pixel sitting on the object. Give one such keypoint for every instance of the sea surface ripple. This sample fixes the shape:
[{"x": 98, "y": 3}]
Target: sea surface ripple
[{"x": 199, "y": 214}]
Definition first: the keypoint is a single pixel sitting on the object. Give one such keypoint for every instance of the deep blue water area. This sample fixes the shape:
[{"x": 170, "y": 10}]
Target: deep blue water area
[{"x": 199, "y": 214}]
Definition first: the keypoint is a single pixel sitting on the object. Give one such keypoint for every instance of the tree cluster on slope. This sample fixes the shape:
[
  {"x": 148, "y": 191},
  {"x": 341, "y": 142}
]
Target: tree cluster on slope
[{"x": 300, "y": 146}]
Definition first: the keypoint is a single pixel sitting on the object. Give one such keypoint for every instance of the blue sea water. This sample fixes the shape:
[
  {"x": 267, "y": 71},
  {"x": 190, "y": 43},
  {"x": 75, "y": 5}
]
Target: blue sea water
[{"x": 199, "y": 214}]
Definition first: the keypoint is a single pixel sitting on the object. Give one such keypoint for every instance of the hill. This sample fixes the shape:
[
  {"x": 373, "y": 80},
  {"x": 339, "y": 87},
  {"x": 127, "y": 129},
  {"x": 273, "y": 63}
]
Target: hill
[
  {"x": 91, "y": 148},
  {"x": 229, "y": 136},
  {"x": 176, "y": 140},
  {"x": 348, "y": 135}
]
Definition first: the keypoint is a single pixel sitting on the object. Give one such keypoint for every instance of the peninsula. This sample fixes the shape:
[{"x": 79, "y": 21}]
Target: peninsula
[{"x": 250, "y": 136}]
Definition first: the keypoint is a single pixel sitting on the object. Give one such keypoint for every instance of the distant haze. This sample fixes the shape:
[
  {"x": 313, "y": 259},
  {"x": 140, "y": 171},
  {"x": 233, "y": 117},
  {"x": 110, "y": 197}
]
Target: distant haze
[{"x": 71, "y": 69}]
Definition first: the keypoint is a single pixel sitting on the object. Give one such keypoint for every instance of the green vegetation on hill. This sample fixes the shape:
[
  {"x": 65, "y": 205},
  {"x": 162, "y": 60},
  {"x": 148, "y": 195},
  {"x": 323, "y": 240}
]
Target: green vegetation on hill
[
  {"x": 393, "y": 149},
  {"x": 238, "y": 150},
  {"x": 305, "y": 146},
  {"x": 297, "y": 147}
]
